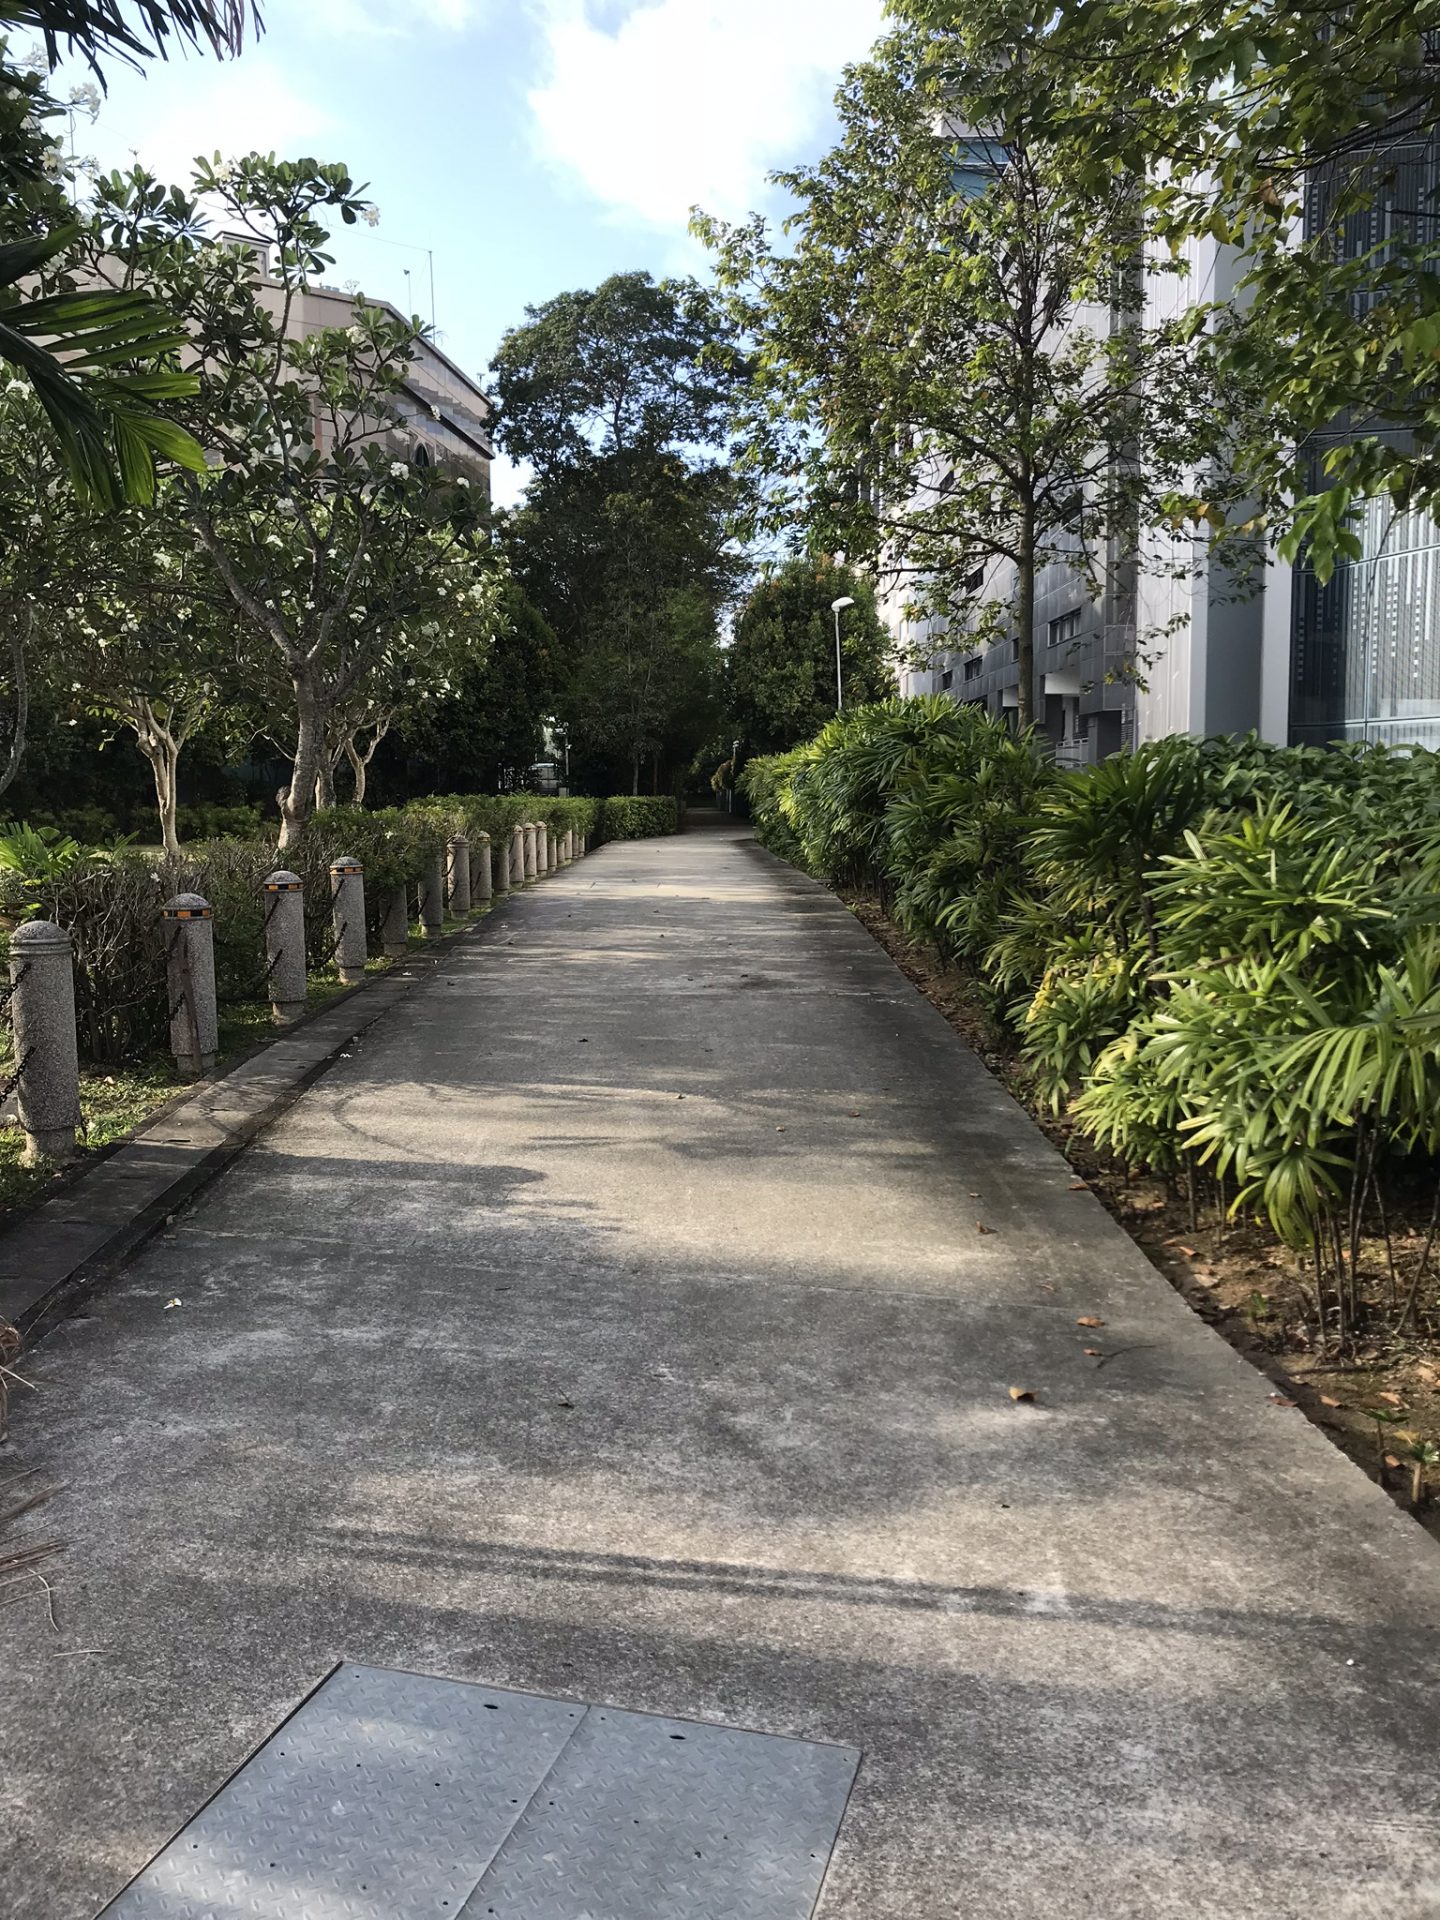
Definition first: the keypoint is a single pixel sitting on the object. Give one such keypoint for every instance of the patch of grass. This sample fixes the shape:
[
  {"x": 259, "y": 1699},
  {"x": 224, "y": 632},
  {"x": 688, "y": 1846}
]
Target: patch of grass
[{"x": 114, "y": 1101}]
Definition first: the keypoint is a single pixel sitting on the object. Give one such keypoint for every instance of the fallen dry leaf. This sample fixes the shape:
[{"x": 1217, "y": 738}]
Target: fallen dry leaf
[
  {"x": 779, "y": 1129},
  {"x": 1079, "y": 1186},
  {"x": 1089, "y": 1320},
  {"x": 1281, "y": 1401},
  {"x": 1021, "y": 1393},
  {"x": 1096, "y": 1353},
  {"x": 1189, "y": 1252},
  {"x": 852, "y": 1113},
  {"x": 1391, "y": 1461},
  {"x": 1329, "y": 1400},
  {"x": 1394, "y": 1399},
  {"x": 980, "y": 1227}
]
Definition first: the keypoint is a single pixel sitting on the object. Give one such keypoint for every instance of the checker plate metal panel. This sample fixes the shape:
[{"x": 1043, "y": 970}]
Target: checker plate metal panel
[
  {"x": 651, "y": 1819},
  {"x": 385, "y": 1796},
  {"x": 391, "y": 1796}
]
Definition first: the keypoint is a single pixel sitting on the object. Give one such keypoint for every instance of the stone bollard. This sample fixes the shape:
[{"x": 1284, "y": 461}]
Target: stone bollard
[
  {"x": 482, "y": 870},
  {"x": 552, "y": 851},
  {"x": 395, "y": 926},
  {"x": 584, "y": 845},
  {"x": 189, "y": 928},
  {"x": 517, "y": 856},
  {"x": 284, "y": 896},
  {"x": 432, "y": 898},
  {"x": 542, "y": 848},
  {"x": 500, "y": 865},
  {"x": 42, "y": 1018},
  {"x": 347, "y": 906},
  {"x": 458, "y": 874},
  {"x": 532, "y": 841},
  {"x": 567, "y": 847}
]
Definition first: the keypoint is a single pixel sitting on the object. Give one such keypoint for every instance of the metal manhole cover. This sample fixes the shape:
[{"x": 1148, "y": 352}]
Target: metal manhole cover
[{"x": 387, "y": 1796}]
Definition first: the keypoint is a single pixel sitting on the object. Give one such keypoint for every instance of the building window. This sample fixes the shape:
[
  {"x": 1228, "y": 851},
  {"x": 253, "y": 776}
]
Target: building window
[
  {"x": 1065, "y": 629},
  {"x": 423, "y": 456},
  {"x": 946, "y": 677},
  {"x": 973, "y": 582},
  {"x": 973, "y": 666}
]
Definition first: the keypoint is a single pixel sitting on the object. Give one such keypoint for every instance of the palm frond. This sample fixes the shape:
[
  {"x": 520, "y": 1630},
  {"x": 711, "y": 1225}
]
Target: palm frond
[{"x": 133, "y": 29}]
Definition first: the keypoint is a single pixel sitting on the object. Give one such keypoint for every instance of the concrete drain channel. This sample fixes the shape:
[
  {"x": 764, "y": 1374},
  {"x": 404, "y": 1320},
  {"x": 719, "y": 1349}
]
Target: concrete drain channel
[{"x": 395, "y": 1796}]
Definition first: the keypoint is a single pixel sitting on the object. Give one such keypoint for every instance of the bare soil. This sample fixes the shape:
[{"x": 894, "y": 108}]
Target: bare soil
[{"x": 1234, "y": 1272}]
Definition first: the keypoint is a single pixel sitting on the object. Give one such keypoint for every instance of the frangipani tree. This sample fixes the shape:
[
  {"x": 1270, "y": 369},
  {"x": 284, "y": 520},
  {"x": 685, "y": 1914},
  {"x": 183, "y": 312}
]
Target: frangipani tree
[
  {"x": 144, "y": 642},
  {"x": 338, "y": 556}
]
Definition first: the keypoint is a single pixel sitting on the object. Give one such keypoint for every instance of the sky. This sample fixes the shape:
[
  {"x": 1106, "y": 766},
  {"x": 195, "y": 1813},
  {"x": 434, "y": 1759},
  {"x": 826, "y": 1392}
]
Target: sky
[{"x": 531, "y": 145}]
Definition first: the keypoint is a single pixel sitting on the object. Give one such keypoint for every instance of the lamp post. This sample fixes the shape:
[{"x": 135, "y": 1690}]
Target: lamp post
[{"x": 837, "y": 607}]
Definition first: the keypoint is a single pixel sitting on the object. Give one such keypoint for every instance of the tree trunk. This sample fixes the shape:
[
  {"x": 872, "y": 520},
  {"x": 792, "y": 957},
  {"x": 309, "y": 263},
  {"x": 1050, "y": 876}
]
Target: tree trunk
[
  {"x": 19, "y": 634},
  {"x": 297, "y": 800},
  {"x": 635, "y": 771},
  {"x": 1025, "y": 616},
  {"x": 161, "y": 748},
  {"x": 325, "y": 782},
  {"x": 360, "y": 767}
]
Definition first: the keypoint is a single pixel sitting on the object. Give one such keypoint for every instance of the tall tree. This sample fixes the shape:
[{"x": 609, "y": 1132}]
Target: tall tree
[
  {"x": 781, "y": 662},
  {"x": 1303, "y": 135},
  {"x": 952, "y": 381},
  {"x": 618, "y": 398}
]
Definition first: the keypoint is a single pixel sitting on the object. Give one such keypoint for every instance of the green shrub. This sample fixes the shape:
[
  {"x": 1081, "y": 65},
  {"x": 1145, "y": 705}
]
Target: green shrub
[
  {"x": 394, "y": 845},
  {"x": 638, "y": 816},
  {"x": 110, "y": 905},
  {"x": 1218, "y": 954},
  {"x": 207, "y": 821}
]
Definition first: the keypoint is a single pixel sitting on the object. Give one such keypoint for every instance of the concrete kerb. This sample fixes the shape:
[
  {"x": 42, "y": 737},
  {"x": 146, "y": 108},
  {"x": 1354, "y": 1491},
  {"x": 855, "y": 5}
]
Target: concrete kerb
[{"x": 48, "y": 1269}]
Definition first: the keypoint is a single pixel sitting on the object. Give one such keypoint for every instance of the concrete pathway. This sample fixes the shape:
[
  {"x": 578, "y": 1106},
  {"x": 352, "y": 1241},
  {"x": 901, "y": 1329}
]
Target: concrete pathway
[{"x": 617, "y": 1322}]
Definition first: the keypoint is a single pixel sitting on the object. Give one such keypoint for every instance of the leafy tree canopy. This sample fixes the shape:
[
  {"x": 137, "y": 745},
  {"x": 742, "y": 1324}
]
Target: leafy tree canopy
[
  {"x": 625, "y": 368},
  {"x": 781, "y": 662},
  {"x": 619, "y": 397}
]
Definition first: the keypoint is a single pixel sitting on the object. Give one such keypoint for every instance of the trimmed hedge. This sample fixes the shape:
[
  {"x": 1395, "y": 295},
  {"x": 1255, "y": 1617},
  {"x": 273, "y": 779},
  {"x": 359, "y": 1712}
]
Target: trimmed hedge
[
  {"x": 110, "y": 901},
  {"x": 638, "y": 816},
  {"x": 496, "y": 813}
]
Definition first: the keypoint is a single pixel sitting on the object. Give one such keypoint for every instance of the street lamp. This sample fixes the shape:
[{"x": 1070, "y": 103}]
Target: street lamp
[{"x": 837, "y": 607}]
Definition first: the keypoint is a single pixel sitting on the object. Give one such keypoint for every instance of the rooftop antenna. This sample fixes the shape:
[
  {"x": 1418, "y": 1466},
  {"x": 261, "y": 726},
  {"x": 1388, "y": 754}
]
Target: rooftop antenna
[{"x": 429, "y": 253}]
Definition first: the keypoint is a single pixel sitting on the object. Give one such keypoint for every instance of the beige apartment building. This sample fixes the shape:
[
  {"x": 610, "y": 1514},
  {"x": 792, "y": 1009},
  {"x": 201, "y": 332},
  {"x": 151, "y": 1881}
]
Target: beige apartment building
[{"x": 446, "y": 416}]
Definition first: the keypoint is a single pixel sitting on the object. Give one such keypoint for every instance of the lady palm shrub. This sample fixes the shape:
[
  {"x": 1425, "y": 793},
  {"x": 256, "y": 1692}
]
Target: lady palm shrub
[
  {"x": 1220, "y": 956},
  {"x": 765, "y": 784}
]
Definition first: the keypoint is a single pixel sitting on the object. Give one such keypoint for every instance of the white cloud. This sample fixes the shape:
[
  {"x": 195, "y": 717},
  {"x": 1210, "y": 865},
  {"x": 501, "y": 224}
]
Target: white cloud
[
  {"x": 190, "y": 108},
  {"x": 393, "y": 16},
  {"x": 690, "y": 102}
]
